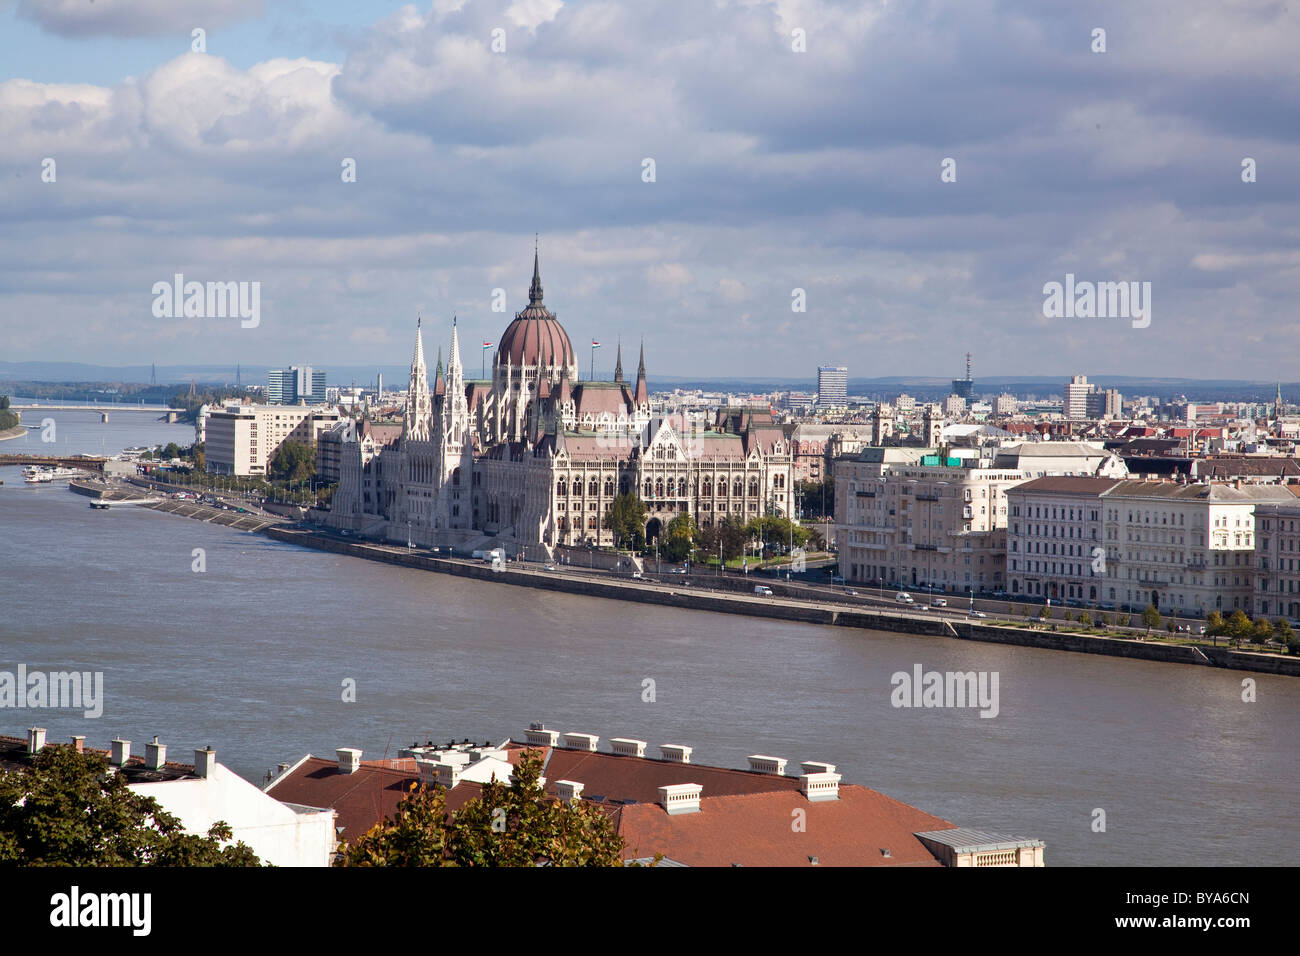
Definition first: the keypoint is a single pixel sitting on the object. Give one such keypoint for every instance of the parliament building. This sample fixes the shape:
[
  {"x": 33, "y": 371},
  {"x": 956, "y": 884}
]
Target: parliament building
[{"x": 531, "y": 458}]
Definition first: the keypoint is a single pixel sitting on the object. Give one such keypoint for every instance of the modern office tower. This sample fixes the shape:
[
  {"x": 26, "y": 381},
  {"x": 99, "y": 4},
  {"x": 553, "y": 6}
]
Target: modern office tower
[
  {"x": 1076, "y": 398},
  {"x": 964, "y": 387},
  {"x": 298, "y": 383},
  {"x": 832, "y": 386}
]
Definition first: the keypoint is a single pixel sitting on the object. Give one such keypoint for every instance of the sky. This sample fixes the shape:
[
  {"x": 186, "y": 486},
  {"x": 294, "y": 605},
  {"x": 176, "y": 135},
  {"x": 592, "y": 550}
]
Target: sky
[{"x": 877, "y": 184}]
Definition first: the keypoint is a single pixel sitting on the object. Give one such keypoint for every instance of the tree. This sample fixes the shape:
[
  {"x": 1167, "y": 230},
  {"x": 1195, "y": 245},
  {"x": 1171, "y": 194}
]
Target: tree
[
  {"x": 1215, "y": 626},
  {"x": 776, "y": 532},
  {"x": 1239, "y": 626},
  {"x": 680, "y": 537},
  {"x": 1261, "y": 631},
  {"x": 1283, "y": 631},
  {"x": 1150, "y": 618},
  {"x": 65, "y": 809},
  {"x": 1085, "y": 619},
  {"x": 507, "y": 825},
  {"x": 293, "y": 461},
  {"x": 626, "y": 518}
]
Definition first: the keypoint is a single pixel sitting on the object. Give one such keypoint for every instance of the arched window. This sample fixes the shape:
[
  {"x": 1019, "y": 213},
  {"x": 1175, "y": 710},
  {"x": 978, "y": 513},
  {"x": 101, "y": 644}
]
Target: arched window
[
  {"x": 591, "y": 523},
  {"x": 561, "y": 487},
  {"x": 736, "y": 488},
  {"x": 753, "y": 486},
  {"x": 609, "y": 487},
  {"x": 593, "y": 487},
  {"x": 649, "y": 488},
  {"x": 681, "y": 487},
  {"x": 708, "y": 486},
  {"x": 659, "y": 487}
]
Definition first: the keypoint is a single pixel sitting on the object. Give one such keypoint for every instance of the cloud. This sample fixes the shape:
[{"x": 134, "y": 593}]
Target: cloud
[{"x": 134, "y": 18}]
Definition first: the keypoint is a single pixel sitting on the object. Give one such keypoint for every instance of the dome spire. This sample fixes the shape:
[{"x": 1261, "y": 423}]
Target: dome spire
[{"x": 535, "y": 290}]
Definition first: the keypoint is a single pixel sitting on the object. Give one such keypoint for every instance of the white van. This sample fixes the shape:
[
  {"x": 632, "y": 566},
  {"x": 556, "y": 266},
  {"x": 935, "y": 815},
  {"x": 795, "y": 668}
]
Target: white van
[
  {"x": 762, "y": 589},
  {"x": 902, "y": 597}
]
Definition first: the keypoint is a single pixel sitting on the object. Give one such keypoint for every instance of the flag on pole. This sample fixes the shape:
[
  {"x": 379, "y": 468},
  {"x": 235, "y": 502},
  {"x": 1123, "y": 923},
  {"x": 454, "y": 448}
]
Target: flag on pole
[
  {"x": 486, "y": 346},
  {"x": 595, "y": 344}
]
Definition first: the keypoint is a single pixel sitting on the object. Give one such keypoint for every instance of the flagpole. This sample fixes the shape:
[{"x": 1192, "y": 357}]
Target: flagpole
[{"x": 593, "y": 361}]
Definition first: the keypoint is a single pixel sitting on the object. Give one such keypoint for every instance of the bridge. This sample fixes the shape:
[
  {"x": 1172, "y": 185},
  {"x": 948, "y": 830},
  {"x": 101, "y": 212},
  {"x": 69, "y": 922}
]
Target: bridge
[
  {"x": 103, "y": 407},
  {"x": 85, "y": 462}
]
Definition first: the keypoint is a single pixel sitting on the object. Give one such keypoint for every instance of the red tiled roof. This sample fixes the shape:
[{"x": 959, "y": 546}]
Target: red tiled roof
[
  {"x": 761, "y": 829},
  {"x": 639, "y": 778}
]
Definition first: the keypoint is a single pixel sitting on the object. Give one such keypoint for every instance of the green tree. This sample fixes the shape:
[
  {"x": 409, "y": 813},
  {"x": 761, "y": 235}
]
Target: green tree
[
  {"x": 626, "y": 518},
  {"x": 1085, "y": 619},
  {"x": 1239, "y": 627},
  {"x": 679, "y": 538},
  {"x": 65, "y": 809},
  {"x": 1261, "y": 631},
  {"x": 293, "y": 461},
  {"x": 776, "y": 532},
  {"x": 1283, "y": 631},
  {"x": 1150, "y": 618},
  {"x": 511, "y": 824}
]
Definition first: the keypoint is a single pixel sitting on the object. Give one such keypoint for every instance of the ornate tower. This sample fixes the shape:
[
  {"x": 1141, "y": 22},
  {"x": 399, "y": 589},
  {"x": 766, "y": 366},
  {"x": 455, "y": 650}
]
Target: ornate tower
[{"x": 419, "y": 406}]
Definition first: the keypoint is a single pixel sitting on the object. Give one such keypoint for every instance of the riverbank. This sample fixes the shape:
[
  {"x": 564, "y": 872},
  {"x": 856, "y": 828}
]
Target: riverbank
[
  {"x": 698, "y": 596},
  {"x": 18, "y": 431}
]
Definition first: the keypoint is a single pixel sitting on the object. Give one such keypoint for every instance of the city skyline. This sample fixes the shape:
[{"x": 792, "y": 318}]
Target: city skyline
[{"x": 369, "y": 168}]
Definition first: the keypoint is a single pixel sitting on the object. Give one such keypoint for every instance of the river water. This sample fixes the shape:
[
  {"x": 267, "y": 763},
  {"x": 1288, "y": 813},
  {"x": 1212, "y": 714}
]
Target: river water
[{"x": 250, "y": 656}]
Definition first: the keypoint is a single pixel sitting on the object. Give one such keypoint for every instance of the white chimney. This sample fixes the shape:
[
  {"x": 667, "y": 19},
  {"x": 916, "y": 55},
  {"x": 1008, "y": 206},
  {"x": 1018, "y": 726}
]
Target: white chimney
[
  {"x": 155, "y": 754},
  {"x": 35, "y": 739},
  {"x": 675, "y": 753},
  {"x": 761, "y": 763},
  {"x": 574, "y": 741},
  {"x": 816, "y": 766},
  {"x": 680, "y": 798},
  {"x": 121, "y": 752},
  {"x": 541, "y": 737},
  {"x": 349, "y": 759},
  {"x": 820, "y": 786},
  {"x": 205, "y": 761},
  {"x": 448, "y": 775},
  {"x": 568, "y": 790},
  {"x": 627, "y": 747}
]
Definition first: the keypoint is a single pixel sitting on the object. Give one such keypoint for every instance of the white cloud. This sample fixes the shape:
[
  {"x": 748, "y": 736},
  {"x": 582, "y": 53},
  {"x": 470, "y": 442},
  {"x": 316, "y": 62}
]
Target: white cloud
[{"x": 133, "y": 18}]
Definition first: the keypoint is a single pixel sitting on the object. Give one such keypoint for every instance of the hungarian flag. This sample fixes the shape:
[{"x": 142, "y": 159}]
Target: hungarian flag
[
  {"x": 595, "y": 344},
  {"x": 486, "y": 346}
]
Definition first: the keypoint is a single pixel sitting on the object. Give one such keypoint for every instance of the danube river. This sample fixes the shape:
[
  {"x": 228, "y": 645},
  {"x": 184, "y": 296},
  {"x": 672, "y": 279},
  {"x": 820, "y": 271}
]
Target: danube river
[{"x": 251, "y": 654}]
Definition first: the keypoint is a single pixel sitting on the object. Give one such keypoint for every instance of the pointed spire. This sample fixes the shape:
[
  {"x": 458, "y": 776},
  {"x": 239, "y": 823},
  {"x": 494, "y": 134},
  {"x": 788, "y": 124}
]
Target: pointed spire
[
  {"x": 642, "y": 394},
  {"x": 535, "y": 290},
  {"x": 439, "y": 384},
  {"x": 618, "y": 362}
]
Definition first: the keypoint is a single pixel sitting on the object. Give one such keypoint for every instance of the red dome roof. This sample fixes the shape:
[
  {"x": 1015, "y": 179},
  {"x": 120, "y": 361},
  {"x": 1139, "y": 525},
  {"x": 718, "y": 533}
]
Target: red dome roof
[{"x": 535, "y": 337}]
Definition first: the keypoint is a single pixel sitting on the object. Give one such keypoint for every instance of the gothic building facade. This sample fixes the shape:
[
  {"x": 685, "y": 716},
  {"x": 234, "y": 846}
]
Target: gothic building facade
[{"x": 532, "y": 457}]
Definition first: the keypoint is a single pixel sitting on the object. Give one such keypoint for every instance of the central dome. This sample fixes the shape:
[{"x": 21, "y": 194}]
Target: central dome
[{"x": 535, "y": 337}]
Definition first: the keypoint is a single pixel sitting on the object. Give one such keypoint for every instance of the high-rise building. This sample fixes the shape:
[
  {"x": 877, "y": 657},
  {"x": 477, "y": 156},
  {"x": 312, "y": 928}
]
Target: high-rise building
[
  {"x": 1076, "y": 398},
  {"x": 296, "y": 384},
  {"x": 832, "y": 386},
  {"x": 964, "y": 387}
]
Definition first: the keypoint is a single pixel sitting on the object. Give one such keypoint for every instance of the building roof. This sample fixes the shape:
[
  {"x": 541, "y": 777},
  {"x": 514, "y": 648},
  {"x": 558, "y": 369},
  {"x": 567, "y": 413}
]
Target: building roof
[
  {"x": 966, "y": 840},
  {"x": 756, "y": 829},
  {"x": 1065, "y": 485},
  {"x": 638, "y": 779},
  {"x": 14, "y": 756}
]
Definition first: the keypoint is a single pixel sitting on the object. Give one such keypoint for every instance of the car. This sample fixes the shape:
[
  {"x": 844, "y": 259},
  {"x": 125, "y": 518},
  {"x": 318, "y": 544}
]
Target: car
[
  {"x": 836, "y": 579},
  {"x": 762, "y": 589},
  {"x": 679, "y": 570},
  {"x": 550, "y": 567},
  {"x": 978, "y": 614},
  {"x": 902, "y": 597},
  {"x": 638, "y": 575},
  {"x": 940, "y": 602},
  {"x": 850, "y": 591}
]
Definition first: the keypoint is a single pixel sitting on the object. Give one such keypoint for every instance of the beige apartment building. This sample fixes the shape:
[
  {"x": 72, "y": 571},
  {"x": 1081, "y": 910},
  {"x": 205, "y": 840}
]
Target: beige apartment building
[
  {"x": 1184, "y": 548},
  {"x": 1277, "y": 560},
  {"x": 242, "y": 439}
]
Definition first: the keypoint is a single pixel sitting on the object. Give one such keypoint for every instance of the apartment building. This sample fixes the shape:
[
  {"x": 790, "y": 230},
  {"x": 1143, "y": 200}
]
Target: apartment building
[
  {"x": 1276, "y": 590},
  {"x": 242, "y": 439},
  {"x": 1185, "y": 548}
]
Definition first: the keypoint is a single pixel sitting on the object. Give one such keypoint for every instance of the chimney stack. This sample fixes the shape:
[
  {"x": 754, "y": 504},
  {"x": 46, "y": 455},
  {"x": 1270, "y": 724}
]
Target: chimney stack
[
  {"x": 761, "y": 763},
  {"x": 820, "y": 786},
  {"x": 675, "y": 753},
  {"x": 155, "y": 754},
  {"x": 539, "y": 736},
  {"x": 79, "y": 743},
  {"x": 35, "y": 739},
  {"x": 627, "y": 747},
  {"x": 576, "y": 741},
  {"x": 680, "y": 798},
  {"x": 121, "y": 752},
  {"x": 816, "y": 766},
  {"x": 205, "y": 761},
  {"x": 568, "y": 790},
  {"x": 349, "y": 759}
]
